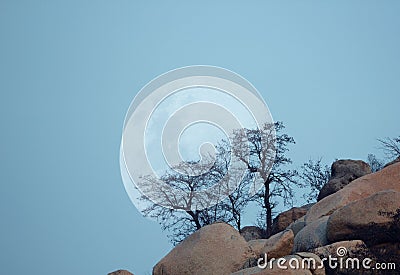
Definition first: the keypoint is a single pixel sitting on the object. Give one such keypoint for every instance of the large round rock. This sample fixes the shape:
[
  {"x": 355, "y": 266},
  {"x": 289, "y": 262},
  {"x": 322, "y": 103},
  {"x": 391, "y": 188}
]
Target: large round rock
[
  {"x": 311, "y": 236},
  {"x": 284, "y": 219},
  {"x": 373, "y": 219},
  {"x": 387, "y": 178},
  {"x": 278, "y": 245},
  {"x": 252, "y": 233},
  {"x": 213, "y": 249},
  {"x": 343, "y": 172}
]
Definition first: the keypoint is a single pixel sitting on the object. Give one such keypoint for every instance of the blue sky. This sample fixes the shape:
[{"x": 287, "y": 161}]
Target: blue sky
[{"x": 69, "y": 69}]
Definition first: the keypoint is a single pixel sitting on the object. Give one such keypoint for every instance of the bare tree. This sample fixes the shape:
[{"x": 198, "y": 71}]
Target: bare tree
[
  {"x": 315, "y": 175},
  {"x": 268, "y": 160},
  {"x": 237, "y": 197},
  {"x": 390, "y": 146},
  {"x": 178, "y": 216}
]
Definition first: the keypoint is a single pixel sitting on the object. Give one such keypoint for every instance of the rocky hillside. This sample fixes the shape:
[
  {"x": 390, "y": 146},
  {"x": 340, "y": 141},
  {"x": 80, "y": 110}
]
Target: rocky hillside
[{"x": 355, "y": 224}]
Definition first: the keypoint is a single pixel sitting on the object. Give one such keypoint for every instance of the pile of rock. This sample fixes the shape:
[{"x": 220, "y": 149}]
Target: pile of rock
[
  {"x": 357, "y": 216},
  {"x": 120, "y": 272},
  {"x": 342, "y": 173},
  {"x": 285, "y": 219}
]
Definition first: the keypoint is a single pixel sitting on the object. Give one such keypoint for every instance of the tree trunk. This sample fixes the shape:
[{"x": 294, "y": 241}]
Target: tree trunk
[
  {"x": 269, "y": 219},
  {"x": 195, "y": 218},
  {"x": 235, "y": 213},
  {"x": 268, "y": 210},
  {"x": 238, "y": 224}
]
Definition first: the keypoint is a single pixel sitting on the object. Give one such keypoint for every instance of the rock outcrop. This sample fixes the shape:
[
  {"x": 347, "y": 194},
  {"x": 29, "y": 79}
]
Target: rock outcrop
[
  {"x": 385, "y": 179},
  {"x": 355, "y": 249},
  {"x": 392, "y": 162},
  {"x": 360, "y": 220},
  {"x": 352, "y": 247},
  {"x": 288, "y": 265},
  {"x": 278, "y": 245},
  {"x": 284, "y": 219},
  {"x": 120, "y": 272},
  {"x": 311, "y": 236},
  {"x": 214, "y": 249},
  {"x": 371, "y": 219},
  {"x": 252, "y": 233},
  {"x": 316, "y": 265},
  {"x": 297, "y": 225},
  {"x": 342, "y": 173}
]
